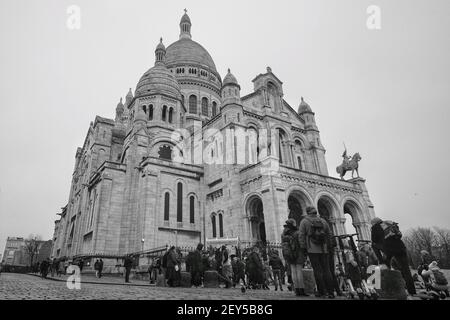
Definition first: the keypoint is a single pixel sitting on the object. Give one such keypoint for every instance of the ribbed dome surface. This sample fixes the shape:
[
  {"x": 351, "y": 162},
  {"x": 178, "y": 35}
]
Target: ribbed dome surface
[
  {"x": 188, "y": 51},
  {"x": 229, "y": 79},
  {"x": 304, "y": 107},
  {"x": 158, "y": 80}
]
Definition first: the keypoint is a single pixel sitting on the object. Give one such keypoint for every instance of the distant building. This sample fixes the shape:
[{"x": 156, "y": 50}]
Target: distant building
[
  {"x": 16, "y": 253},
  {"x": 14, "y": 249}
]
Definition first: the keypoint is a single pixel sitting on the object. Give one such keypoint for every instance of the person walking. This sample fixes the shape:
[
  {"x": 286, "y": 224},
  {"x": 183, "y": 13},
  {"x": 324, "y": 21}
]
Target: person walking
[
  {"x": 294, "y": 255},
  {"x": 128, "y": 263},
  {"x": 238, "y": 271},
  {"x": 314, "y": 238},
  {"x": 386, "y": 238},
  {"x": 96, "y": 267},
  {"x": 276, "y": 264},
  {"x": 81, "y": 264}
]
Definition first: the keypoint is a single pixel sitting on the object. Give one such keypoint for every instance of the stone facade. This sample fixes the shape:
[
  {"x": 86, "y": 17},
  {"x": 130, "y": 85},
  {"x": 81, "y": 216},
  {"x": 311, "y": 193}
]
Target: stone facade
[{"x": 188, "y": 159}]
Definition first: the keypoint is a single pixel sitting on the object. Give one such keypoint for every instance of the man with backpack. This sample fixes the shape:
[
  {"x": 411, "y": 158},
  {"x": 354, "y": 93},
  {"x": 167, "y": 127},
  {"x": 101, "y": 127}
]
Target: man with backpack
[
  {"x": 386, "y": 239},
  {"x": 294, "y": 255},
  {"x": 314, "y": 240}
]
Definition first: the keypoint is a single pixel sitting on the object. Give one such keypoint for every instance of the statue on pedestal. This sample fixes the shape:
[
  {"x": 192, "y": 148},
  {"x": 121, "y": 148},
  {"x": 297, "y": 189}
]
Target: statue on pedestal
[{"x": 348, "y": 164}]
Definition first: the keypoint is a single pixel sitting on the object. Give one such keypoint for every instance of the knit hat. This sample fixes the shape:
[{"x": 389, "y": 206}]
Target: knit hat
[
  {"x": 290, "y": 223},
  {"x": 376, "y": 220},
  {"x": 311, "y": 210}
]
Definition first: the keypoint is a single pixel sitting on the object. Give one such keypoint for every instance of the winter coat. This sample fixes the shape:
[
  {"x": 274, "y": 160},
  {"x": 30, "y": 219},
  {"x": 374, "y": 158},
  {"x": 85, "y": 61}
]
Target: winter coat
[
  {"x": 172, "y": 259},
  {"x": 305, "y": 233},
  {"x": 291, "y": 237},
  {"x": 275, "y": 262},
  {"x": 390, "y": 246},
  {"x": 196, "y": 261}
]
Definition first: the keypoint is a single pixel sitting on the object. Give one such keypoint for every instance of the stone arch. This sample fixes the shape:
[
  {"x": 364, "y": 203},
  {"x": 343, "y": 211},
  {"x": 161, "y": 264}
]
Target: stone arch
[
  {"x": 298, "y": 199},
  {"x": 328, "y": 208},
  {"x": 255, "y": 212},
  {"x": 351, "y": 208}
]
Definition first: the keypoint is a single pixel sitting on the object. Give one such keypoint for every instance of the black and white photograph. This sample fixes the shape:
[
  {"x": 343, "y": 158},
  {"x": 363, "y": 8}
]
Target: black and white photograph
[{"x": 233, "y": 153}]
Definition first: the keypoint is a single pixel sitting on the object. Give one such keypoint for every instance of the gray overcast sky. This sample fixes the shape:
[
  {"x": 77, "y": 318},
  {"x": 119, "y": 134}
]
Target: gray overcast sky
[{"x": 386, "y": 93}]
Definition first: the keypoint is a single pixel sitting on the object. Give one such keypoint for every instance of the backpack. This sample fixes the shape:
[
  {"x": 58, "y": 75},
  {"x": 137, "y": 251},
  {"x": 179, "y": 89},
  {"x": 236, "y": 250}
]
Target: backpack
[
  {"x": 439, "y": 277},
  {"x": 317, "y": 234},
  {"x": 289, "y": 247},
  {"x": 391, "y": 230}
]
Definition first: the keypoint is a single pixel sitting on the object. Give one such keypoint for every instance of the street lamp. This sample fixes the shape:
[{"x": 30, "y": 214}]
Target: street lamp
[{"x": 142, "y": 241}]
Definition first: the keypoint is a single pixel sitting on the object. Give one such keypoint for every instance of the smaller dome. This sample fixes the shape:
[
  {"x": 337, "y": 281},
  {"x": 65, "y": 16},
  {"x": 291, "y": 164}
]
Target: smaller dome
[
  {"x": 185, "y": 18},
  {"x": 230, "y": 79},
  {"x": 129, "y": 97},
  {"x": 120, "y": 106},
  {"x": 304, "y": 107},
  {"x": 158, "y": 80},
  {"x": 160, "y": 45}
]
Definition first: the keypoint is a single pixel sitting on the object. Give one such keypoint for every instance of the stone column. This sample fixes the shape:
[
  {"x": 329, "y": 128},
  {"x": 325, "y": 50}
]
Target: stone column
[{"x": 340, "y": 226}]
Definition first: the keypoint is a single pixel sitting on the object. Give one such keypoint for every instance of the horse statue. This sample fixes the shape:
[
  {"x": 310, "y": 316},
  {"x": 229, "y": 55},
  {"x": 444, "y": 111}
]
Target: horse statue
[{"x": 348, "y": 165}]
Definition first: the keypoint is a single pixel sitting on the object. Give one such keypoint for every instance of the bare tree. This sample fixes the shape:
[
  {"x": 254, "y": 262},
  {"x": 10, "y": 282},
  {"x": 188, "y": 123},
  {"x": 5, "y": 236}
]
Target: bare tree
[
  {"x": 443, "y": 245},
  {"x": 32, "y": 245}
]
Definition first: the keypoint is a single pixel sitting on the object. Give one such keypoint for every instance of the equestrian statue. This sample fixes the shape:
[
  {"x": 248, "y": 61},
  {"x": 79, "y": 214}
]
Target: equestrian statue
[{"x": 348, "y": 164}]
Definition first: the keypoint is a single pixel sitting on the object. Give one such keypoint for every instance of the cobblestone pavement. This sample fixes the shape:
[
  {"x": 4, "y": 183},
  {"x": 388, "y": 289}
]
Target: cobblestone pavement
[{"x": 25, "y": 287}]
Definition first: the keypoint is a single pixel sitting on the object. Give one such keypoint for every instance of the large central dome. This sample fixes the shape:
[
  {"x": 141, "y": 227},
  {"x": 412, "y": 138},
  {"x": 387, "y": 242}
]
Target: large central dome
[{"x": 185, "y": 51}]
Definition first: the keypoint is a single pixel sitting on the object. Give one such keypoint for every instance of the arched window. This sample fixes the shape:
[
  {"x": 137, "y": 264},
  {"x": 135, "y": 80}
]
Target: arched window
[
  {"x": 299, "y": 160},
  {"x": 214, "y": 108},
  {"x": 192, "y": 209},
  {"x": 213, "y": 222},
  {"x": 166, "y": 206},
  {"x": 193, "y": 104},
  {"x": 170, "y": 115},
  {"x": 180, "y": 202},
  {"x": 164, "y": 113},
  {"x": 220, "y": 225},
  {"x": 144, "y": 108},
  {"x": 205, "y": 106},
  {"x": 150, "y": 112}
]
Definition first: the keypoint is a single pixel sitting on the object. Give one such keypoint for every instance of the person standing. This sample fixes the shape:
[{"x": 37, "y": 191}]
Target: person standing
[
  {"x": 227, "y": 271},
  {"x": 197, "y": 266},
  {"x": 314, "y": 238},
  {"x": 172, "y": 266},
  {"x": 294, "y": 255},
  {"x": 100, "y": 268},
  {"x": 128, "y": 263},
  {"x": 276, "y": 264},
  {"x": 386, "y": 238},
  {"x": 255, "y": 269}
]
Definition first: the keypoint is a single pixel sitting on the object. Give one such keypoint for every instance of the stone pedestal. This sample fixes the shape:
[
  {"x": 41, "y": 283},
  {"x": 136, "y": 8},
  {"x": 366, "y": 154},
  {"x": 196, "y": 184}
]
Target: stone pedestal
[
  {"x": 211, "y": 279},
  {"x": 161, "y": 280},
  {"x": 309, "y": 281},
  {"x": 392, "y": 285},
  {"x": 185, "y": 279}
]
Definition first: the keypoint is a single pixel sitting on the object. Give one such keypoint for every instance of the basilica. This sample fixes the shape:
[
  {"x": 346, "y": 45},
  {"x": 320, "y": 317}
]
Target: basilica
[{"x": 188, "y": 158}]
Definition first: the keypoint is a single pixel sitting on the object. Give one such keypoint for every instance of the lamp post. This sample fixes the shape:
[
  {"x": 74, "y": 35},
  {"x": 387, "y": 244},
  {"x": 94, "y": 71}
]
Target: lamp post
[{"x": 142, "y": 242}]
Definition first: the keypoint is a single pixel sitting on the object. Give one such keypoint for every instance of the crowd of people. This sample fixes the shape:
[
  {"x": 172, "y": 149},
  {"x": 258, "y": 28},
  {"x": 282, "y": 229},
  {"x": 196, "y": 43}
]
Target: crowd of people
[
  {"x": 309, "y": 245},
  {"x": 312, "y": 245}
]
